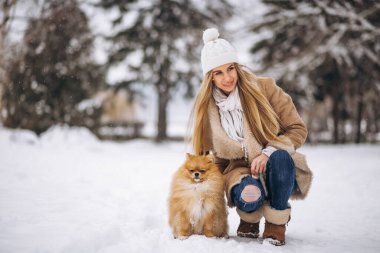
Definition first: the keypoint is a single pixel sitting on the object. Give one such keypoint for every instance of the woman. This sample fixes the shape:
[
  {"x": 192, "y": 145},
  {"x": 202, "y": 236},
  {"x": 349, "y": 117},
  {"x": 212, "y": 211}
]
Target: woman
[{"x": 252, "y": 127}]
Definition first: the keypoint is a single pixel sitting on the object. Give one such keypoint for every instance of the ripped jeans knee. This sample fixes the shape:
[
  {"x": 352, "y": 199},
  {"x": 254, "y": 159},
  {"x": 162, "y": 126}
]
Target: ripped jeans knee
[{"x": 249, "y": 195}]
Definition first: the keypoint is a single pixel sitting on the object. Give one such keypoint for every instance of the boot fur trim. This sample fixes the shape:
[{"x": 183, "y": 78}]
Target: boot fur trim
[
  {"x": 278, "y": 217},
  {"x": 253, "y": 217}
]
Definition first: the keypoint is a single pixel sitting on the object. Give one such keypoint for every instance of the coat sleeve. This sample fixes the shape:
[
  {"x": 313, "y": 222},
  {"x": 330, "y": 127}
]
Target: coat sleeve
[{"x": 283, "y": 105}]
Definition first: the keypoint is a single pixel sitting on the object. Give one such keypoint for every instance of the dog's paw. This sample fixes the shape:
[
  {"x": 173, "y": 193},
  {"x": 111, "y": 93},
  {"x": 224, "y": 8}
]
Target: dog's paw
[{"x": 182, "y": 237}]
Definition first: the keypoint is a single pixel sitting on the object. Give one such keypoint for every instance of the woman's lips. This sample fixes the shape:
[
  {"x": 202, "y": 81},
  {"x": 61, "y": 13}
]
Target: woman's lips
[{"x": 228, "y": 85}]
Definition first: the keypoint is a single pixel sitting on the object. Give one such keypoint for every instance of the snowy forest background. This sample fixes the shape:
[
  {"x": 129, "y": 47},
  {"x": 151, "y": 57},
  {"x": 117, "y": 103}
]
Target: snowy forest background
[
  {"x": 128, "y": 69},
  {"x": 86, "y": 85}
]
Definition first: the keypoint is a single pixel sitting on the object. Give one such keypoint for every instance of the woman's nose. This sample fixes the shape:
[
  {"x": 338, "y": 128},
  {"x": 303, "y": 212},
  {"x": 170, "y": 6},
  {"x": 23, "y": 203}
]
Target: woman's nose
[{"x": 227, "y": 77}]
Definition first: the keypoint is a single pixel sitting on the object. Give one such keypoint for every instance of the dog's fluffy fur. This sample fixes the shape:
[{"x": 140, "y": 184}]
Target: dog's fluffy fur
[{"x": 196, "y": 201}]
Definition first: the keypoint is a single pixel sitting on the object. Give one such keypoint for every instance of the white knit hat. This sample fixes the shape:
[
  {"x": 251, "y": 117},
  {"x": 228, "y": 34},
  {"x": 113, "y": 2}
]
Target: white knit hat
[{"x": 216, "y": 52}]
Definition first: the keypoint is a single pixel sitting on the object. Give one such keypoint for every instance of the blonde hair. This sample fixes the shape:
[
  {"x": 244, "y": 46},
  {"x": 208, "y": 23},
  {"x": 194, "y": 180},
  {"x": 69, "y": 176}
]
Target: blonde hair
[
  {"x": 199, "y": 115},
  {"x": 262, "y": 119}
]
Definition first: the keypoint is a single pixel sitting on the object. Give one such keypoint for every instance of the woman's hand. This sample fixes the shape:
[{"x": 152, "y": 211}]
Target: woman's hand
[{"x": 259, "y": 164}]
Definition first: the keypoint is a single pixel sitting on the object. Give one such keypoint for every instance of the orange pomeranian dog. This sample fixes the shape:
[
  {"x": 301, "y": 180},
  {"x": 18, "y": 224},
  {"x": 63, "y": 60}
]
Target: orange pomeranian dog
[{"x": 196, "y": 201}]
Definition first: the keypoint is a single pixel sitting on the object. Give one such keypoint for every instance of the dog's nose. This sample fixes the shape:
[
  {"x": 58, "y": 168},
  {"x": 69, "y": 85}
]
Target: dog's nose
[{"x": 196, "y": 174}]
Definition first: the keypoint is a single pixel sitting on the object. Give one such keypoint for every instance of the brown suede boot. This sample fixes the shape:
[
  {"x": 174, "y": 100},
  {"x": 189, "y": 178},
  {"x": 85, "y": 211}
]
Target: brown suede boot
[
  {"x": 274, "y": 233},
  {"x": 248, "y": 230}
]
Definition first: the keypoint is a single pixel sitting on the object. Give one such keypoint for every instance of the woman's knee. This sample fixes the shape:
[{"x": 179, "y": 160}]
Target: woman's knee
[
  {"x": 280, "y": 156},
  {"x": 280, "y": 169},
  {"x": 281, "y": 161},
  {"x": 251, "y": 194},
  {"x": 248, "y": 197}
]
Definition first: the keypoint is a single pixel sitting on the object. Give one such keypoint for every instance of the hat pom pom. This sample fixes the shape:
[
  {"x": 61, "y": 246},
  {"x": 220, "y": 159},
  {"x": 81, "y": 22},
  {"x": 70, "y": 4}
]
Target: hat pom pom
[{"x": 210, "y": 35}]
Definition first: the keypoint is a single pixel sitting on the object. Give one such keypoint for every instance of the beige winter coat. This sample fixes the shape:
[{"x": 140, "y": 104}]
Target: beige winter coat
[{"x": 229, "y": 154}]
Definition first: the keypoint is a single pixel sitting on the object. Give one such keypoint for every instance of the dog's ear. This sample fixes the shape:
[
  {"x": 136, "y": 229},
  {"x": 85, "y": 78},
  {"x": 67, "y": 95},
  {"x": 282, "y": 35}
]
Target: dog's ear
[
  {"x": 188, "y": 155},
  {"x": 211, "y": 158}
]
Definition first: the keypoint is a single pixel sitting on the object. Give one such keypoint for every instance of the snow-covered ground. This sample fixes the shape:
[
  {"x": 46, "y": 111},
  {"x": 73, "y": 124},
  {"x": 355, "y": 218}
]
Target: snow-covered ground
[{"x": 69, "y": 192}]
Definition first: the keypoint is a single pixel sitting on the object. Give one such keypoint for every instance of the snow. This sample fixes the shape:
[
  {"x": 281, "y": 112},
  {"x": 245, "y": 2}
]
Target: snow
[{"x": 66, "y": 191}]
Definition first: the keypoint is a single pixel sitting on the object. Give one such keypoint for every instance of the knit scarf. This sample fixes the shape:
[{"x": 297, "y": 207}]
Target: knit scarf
[{"x": 231, "y": 115}]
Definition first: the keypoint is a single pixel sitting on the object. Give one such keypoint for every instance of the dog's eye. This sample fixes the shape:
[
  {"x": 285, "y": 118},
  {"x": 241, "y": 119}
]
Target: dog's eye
[
  {"x": 192, "y": 171},
  {"x": 202, "y": 170}
]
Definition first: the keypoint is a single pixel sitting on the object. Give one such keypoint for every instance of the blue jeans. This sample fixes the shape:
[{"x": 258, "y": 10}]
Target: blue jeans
[{"x": 280, "y": 182}]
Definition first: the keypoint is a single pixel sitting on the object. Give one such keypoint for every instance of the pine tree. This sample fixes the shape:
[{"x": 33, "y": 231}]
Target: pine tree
[
  {"x": 6, "y": 7},
  {"x": 53, "y": 71},
  {"x": 327, "y": 50},
  {"x": 166, "y": 34}
]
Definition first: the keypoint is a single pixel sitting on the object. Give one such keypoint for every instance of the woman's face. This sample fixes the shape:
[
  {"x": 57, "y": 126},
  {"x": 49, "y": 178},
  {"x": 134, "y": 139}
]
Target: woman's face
[{"x": 225, "y": 77}]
